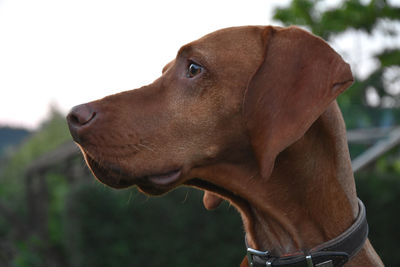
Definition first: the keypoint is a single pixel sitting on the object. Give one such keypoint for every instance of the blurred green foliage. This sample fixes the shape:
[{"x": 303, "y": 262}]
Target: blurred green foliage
[
  {"x": 130, "y": 229},
  {"x": 351, "y": 14},
  {"x": 358, "y": 17},
  {"x": 51, "y": 134},
  {"x": 380, "y": 191}
]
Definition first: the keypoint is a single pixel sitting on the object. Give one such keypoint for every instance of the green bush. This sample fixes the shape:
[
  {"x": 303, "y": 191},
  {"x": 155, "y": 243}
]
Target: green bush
[
  {"x": 381, "y": 195},
  {"x": 125, "y": 228}
]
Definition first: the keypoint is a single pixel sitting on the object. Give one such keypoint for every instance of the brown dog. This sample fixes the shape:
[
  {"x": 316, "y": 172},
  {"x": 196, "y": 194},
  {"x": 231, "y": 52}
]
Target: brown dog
[{"x": 249, "y": 114}]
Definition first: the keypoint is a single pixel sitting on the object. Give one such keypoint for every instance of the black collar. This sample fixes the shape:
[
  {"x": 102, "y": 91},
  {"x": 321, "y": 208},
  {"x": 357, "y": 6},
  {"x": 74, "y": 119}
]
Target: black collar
[{"x": 332, "y": 253}]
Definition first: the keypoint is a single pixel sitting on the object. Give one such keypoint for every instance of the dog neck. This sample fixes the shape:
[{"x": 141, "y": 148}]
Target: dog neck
[{"x": 309, "y": 198}]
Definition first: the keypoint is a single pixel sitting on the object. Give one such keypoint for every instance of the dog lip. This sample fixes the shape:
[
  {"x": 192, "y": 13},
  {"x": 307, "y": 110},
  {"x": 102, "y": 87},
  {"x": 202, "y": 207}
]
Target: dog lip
[
  {"x": 165, "y": 179},
  {"x": 112, "y": 175}
]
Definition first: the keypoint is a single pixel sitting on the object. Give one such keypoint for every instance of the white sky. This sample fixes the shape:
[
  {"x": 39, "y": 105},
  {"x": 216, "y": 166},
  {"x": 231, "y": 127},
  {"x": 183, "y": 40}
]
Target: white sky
[
  {"x": 74, "y": 51},
  {"x": 67, "y": 52}
]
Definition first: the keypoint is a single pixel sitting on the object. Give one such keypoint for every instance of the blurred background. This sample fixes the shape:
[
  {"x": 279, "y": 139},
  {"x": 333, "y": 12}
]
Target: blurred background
[{"x": 56, "y": 54}]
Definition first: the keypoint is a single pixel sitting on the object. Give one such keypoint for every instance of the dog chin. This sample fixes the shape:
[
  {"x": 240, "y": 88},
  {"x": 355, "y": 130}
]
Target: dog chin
[
  {"x": 152, "y": 190},
  {"x": 152, "y": 184},
  {"x": 111, "y": 175}
]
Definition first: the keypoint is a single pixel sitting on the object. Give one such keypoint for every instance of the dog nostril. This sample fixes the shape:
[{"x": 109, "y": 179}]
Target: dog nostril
[
  {"x": 80, "y": 115},
  {"x": 72, "y": 118}
]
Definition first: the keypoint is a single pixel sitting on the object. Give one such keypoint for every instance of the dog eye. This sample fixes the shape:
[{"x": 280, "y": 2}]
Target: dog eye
[{"x": 193, "y": 70}]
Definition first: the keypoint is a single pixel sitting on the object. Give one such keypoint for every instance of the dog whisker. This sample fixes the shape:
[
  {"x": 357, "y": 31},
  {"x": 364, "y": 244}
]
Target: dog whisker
[
  {"x": 146, "y": 147},
  {"x": 186, "y": 196}
]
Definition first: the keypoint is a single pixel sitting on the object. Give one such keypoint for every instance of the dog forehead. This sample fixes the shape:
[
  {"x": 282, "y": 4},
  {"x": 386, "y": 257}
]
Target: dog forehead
[
  {"x": 234, "y": 35},
  {"x": 228, "y": 45}
]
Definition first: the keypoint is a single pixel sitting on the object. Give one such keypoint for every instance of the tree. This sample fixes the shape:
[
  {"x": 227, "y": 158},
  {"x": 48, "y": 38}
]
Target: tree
[{"x": 371, "y": 100}]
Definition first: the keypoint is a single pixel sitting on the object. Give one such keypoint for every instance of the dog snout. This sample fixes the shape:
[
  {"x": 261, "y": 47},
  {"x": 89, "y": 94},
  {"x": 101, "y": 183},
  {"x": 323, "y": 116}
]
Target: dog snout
[{"x": 80, "y": 117}]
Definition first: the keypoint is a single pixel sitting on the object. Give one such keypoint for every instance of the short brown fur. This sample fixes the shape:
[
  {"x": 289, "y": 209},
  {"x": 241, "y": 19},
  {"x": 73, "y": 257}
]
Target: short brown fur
[{"x": 259, "y": 127}]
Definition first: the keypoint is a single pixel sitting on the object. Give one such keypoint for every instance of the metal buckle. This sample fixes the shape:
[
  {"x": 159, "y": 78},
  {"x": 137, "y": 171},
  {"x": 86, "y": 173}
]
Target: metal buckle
[
  {"x": 309, "y": 261},
  {"x": 253, "y": 252},
  {"x": 325, "y": 264}
]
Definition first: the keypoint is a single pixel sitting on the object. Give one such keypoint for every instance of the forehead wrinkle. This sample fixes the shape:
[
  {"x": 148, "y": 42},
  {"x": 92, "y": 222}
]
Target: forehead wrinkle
[{"x": 197, "y": 53}]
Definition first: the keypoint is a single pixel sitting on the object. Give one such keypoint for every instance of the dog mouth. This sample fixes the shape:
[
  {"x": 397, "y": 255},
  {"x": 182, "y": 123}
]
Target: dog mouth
[
  {"x": 166, "y": 178},
  {"x": 114, "y": 176},
  {"x": 110, "y": 175},
  {"x": 151, "y": 184}
]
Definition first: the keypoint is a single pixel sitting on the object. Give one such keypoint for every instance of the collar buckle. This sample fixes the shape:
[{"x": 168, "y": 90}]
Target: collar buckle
[
  {"x": 309, "y": 261},
  {"x": 261, "y": 254}
]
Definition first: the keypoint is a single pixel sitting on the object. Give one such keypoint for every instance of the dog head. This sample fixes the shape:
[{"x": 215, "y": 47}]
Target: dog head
[{"x": 236, "y": 94}]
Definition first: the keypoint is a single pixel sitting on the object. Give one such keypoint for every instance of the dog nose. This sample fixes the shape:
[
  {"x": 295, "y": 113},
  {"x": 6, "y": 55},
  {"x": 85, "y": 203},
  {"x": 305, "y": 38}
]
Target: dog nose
[{"x": 78, "y": 117}]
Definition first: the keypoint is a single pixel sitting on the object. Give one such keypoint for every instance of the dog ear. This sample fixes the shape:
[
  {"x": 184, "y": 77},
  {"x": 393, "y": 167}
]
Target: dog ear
[{"x": 298, "y": 78}]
